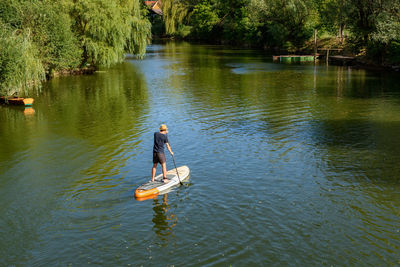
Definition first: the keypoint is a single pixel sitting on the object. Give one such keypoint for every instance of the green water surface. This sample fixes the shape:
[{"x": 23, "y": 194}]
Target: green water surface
[{"x": 291, "y": 165}]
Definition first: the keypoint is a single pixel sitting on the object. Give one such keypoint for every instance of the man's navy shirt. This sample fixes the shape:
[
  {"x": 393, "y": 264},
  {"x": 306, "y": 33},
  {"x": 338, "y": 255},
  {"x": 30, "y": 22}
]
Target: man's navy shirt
[{"x": 159, "y": 141}]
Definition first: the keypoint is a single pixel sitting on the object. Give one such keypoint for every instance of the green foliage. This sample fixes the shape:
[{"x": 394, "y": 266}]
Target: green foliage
[
  {"x": 362, "y": 18},
  {"x": 20, "y": 66},
  {"x": 43, "y": 36},
  {"x": 183, "y": 30},
  {"x": 140, "y": 28},
  {"x": 372, "y": 26},
  {"x": 333, "y": 14},
  {"x": 107, "y": 28},
  {"x": 394, "y": 52},
  {"x": 203, "y": 19},
  {"x": 174, "y": 13},
  {"x": 388, "y": 24},
  {"x": 51, "y": 32},
  {"x": 255, "y": 22},
  {"x": 375, "y": 25},
  {"x": 237, "y": 26},
  {"x": 298, "y": 18},
  {"x": 157, "y": 25},
  {"x": 9, "y": 13}
]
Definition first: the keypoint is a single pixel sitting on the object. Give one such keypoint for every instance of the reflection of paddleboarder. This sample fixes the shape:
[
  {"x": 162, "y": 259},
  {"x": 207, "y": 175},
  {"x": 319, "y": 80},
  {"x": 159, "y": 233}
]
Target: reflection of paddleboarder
[
  {"x": 160, "y": 219},
  {"x": 160, "y": 138}
]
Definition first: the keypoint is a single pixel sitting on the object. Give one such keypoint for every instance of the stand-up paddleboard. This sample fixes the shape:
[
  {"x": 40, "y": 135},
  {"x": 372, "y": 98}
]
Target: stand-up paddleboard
[{"x": 158, "y": 186}]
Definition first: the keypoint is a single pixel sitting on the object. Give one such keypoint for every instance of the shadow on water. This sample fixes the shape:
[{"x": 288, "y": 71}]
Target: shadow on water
[
  {"x": 362, "y": 134},
  {"x": 350, "y": 83},
  {"x": 364, "y": 147}
]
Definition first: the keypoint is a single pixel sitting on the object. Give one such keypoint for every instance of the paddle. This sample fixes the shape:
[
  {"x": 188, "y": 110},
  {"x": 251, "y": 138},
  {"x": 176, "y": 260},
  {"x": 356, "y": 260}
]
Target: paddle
[{"x": 173, "y": 158}]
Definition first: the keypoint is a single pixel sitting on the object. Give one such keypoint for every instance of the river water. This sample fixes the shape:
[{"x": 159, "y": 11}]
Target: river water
[{"x": 290, "y": 165}]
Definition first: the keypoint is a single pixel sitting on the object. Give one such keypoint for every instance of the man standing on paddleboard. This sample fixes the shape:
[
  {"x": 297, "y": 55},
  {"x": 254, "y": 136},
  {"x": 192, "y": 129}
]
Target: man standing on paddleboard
[{"x": 160, "y": 138}]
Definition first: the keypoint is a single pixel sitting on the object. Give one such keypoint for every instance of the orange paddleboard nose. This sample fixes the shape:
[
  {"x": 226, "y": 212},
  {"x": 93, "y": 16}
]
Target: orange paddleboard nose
[{"x": 140, "y": 193}]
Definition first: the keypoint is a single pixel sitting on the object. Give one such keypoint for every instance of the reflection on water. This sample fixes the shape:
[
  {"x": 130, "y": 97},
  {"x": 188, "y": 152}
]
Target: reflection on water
[
  {"x": 290, "y": 164},
  {"x": 68, "y": 152},
  {"x": 28, "y": 111},
  {"x": 163, "y": 219}
]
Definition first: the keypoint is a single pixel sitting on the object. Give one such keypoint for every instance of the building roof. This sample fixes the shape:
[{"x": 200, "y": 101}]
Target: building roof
[
  {"x": 155, "y": 6},
  {"x": 150, "y": 3}
]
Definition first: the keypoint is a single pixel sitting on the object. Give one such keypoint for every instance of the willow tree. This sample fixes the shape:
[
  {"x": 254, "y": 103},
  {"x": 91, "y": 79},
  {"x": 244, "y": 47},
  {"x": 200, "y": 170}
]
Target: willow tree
[
  {"x": 174, "y": 13},
  {"x": 140, "y": 29},
  {"x": 107, "y": 29},
  {"x": 35, "y": 39},
  {"x": 20, "y": 67}
]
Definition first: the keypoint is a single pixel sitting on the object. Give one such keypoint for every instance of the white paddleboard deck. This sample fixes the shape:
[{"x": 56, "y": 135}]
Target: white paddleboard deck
[{"x": 158, "y": 186}]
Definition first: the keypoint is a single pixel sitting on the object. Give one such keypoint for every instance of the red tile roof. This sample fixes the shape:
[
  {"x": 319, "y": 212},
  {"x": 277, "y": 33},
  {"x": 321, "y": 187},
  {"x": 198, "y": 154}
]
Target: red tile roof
[
  {"x": 150, "y": 3},
  {"x": 155, "y": 6}
]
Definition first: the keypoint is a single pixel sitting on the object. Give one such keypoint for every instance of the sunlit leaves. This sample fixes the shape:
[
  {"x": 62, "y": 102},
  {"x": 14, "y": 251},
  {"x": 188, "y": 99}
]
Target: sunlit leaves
[
  {"x": 203, "y": 18},
  {"x": 174, "y": 12},
  {"x": 20, "y": 66},
  {"x": 108, "y": 29},
  {"x": 40, "y": 37}
]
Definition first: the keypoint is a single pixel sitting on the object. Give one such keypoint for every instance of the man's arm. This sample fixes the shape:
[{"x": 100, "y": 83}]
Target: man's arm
[{"x": 169, "y": 148}]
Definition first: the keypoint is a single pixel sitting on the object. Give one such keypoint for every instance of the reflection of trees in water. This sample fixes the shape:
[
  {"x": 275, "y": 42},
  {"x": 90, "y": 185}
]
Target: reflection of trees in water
[
  {"x": 94, "y": 106},
  {"x": 334, "y": 106},
  {"x": 163, "y": 219},
  {"x": 17, "y": 129},
  {"x": 100, "y": 115}
]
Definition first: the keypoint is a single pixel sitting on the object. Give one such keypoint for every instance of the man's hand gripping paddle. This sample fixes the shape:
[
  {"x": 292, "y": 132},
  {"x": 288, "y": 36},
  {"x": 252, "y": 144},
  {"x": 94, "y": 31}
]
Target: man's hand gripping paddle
[{"x": 173, "y": 158}]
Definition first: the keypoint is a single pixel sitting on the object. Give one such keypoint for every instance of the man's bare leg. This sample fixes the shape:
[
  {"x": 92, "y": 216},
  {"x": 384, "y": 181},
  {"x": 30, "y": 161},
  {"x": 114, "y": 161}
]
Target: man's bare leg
[
  {"x": 164, "y": 171},
  {"x": 153, "y": 171}
]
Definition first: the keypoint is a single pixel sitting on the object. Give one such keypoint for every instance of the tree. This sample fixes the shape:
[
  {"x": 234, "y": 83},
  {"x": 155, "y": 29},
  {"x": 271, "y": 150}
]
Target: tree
[
  {"x": 39, "y": 37},
  {"x": 333, "y": 14},
  {"x": 174, "y": 13},
  {"x": 287, "y": 23},
  {"x": 20, "y": 67},
  {"x": 51, "y": 32},
  {"x": 387, "y": 33},
  {"x": 109, "y": 28},
  {"x": 203, "y": 19}
]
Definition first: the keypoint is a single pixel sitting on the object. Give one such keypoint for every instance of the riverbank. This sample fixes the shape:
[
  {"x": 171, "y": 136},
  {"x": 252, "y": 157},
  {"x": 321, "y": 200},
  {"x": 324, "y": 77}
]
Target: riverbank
[
  {"x": 77, "y": 71},
  {"x": 342, "y": 53},
  {"x": 330, "y": 46}
]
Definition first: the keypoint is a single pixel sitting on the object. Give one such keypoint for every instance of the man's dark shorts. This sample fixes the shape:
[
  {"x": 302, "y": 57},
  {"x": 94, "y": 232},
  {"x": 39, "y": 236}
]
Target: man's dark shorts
[{"x": 159, "y": 158}]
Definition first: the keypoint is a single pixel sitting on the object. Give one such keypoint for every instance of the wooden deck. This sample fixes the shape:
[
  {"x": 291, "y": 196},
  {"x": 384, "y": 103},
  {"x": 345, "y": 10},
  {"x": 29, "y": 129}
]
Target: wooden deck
[{"x": 294, "y": 58}]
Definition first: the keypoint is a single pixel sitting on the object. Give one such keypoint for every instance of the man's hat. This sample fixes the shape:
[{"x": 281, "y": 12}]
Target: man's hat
[{"x": 163, "y": 127}]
